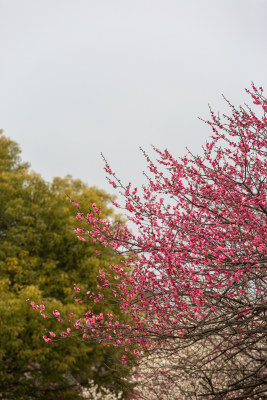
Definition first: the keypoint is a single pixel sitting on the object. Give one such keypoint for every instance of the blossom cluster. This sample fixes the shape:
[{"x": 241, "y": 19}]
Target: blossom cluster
[{"x": 195, "y": 273}]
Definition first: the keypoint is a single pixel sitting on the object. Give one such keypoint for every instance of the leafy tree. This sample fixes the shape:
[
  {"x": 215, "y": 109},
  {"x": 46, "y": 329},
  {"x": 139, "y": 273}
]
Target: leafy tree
[
  {"x": 197, "y": 290},
  {"x": 41, "y": 258}
]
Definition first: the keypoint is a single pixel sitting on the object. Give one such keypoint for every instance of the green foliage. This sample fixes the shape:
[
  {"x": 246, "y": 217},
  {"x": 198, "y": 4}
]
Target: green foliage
[{"x": 40, "y": 259}]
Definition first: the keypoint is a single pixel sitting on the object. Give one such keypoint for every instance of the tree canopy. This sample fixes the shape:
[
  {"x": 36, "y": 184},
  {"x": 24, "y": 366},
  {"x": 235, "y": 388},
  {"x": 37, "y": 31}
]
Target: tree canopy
[{"x": 41, "y": 258}]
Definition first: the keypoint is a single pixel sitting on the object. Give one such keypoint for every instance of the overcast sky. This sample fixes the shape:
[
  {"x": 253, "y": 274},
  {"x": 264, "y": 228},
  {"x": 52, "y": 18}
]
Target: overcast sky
[{"x": 81, "y": 77}]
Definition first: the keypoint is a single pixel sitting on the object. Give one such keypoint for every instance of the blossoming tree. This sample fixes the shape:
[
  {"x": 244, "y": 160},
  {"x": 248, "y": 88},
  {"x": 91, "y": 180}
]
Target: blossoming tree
[{"x": 194, "y": 279}]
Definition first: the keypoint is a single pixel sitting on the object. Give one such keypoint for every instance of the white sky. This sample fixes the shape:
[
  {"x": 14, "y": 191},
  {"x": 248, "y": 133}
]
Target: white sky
[{"x": 80, "y": 77}]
